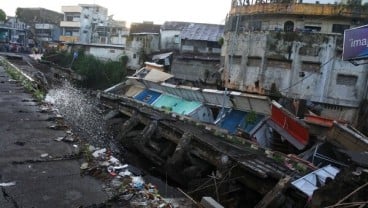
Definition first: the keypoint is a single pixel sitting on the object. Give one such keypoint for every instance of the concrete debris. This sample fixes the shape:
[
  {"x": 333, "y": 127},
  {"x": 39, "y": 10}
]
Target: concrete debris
[{"x": 111, "y": 115}]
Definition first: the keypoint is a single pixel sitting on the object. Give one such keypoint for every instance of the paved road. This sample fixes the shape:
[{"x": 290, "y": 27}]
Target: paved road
[{"x": 25, "y": 136}]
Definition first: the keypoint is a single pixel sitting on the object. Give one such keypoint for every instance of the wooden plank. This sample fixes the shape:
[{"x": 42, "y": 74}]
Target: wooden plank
[{"x": 274, "y": 193}]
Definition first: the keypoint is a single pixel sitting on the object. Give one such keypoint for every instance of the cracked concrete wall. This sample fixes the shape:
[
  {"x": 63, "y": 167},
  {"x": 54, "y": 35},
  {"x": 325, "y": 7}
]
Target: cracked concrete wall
[{"x": 300, "y": 65}]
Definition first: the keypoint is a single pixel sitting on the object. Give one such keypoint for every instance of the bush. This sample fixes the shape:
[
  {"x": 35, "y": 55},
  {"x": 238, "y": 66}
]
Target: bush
[{"x": 97, "y": 74}]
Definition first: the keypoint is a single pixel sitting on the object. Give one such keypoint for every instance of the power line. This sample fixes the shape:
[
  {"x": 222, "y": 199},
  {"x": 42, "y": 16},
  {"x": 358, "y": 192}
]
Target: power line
[{"x": 308, "y": 75}]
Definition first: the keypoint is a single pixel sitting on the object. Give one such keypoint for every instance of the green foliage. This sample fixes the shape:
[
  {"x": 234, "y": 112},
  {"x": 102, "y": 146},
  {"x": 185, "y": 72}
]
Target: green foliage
[
  {"x": 221, "y": 41},
  {"x": 2, "y": 15},
  {"x": 251, "y": 117},
  {"x": 97, "y": 74},
  {"x": 30, "y": 86}
]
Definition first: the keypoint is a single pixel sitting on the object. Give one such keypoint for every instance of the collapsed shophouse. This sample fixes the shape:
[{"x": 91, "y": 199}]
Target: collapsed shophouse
[{"x": 243, "y": 143}]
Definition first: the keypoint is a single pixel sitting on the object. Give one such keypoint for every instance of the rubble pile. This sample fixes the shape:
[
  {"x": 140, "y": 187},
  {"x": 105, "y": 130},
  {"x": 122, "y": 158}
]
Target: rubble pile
[{"x": 124, "y": 181}]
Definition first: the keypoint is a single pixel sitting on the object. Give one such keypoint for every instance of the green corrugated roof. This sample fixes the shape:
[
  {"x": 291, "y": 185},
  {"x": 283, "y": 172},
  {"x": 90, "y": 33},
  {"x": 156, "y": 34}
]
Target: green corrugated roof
[{"x": 176, "y": 105}]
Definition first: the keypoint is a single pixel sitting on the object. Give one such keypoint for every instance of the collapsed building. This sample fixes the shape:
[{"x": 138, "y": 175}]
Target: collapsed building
[
  {"x": 244, "y": 146},
  {"x": 236, "y": 139}
]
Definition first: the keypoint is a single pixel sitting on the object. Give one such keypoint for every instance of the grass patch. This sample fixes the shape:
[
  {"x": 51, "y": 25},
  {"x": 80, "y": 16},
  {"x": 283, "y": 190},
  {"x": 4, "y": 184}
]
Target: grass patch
[{"x": 30, "y": 86}]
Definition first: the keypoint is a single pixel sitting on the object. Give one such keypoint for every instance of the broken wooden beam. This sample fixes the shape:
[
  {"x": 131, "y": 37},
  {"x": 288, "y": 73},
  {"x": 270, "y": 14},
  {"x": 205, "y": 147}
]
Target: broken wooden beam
[{"x": 272, "y": 195}]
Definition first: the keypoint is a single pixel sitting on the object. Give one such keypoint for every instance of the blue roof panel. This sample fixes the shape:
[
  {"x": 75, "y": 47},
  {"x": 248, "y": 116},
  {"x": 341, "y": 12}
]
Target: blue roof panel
[
  {"x": 232, "y": 120},
  {"x": 147, "y": 96}
]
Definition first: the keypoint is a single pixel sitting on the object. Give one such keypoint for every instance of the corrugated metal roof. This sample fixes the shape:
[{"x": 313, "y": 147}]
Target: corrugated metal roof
[
  {"x": 176, "y": 105},
  {"x": 161, "y": 56},
  {"x": 147, "y": 96},
  {"x": 146, "y": 27},
  {"x": 157, "y": 76},
  {"x": 316, "y": 179},
  {"x": 174, "y": 25},
  {"x": 233, "y": 120},
  {"x": 199, "y": 31},
  {"x": 133, "y": 90}
]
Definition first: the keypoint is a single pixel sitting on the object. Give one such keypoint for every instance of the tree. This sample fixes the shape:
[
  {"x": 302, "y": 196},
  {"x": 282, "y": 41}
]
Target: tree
[{"x": 2, "y": 15}]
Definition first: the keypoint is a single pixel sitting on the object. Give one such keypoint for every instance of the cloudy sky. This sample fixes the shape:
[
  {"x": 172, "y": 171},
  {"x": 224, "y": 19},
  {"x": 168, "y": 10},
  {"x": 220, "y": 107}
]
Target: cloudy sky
[{"x": 158, "y": 11}]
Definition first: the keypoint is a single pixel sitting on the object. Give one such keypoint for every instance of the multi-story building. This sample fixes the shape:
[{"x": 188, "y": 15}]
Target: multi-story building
[
  {"x": 85, "y": 23},
  {"x": 46, "y": 32},
  {"x": 43, "y": 23},
  {"x": 14, "y": 30},
  {"x": 117, "y": 32},
  {"x": 144, "y": 39},
  {"x": 295, "y": 49}
]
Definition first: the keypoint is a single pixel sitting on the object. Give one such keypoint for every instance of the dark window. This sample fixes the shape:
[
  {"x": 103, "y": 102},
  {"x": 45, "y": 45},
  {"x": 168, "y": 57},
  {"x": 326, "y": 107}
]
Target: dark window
[
  {"x": 337, "y": 28},
  {"x": 69, "y": 18},
  {"x": 254, "y": 61},
  {"x": 309, "y": 51},
  {"x": 276, "y": 63},
  {"x": 289, "y": 26},
  {"x": 312, "y": 28},
  {"x": 255, "y": 25},
  {"x": 345, "y": 79},
  {"x": 134, "y": 56},
  {"x": 212, "y": 44},
  {"x": 311, "y": 66},
  {"x": 235, "y": 59}
]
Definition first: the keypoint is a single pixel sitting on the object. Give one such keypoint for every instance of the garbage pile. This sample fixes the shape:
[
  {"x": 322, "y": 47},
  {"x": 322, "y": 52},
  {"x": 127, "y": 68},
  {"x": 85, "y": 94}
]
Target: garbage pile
[{"x": 123, "y": 179}]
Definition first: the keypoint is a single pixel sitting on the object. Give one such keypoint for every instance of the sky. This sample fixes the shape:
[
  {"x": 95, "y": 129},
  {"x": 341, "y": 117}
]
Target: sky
[{"x": 158, "y": 11}]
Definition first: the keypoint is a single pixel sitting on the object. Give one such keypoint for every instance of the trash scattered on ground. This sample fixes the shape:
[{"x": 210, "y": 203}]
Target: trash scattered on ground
[
  {"x": 123, "y": 183},
  {"x": 58, "y": 127}
]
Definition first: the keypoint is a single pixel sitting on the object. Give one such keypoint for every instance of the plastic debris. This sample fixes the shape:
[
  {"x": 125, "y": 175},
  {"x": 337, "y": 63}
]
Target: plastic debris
[
  {"x": 91, "y": 148},
  {"x": 84, "y": 166},
  {"x": 59, "y": 139},
  {"x": 113, "y": 160},
  {"x": 137, "y": 182},
  {"x": 125, "y": 173},
  {"x": 7, "y": 184},
  {"x": 44, "y": 155},
  {"x": 99, "y": 152}
]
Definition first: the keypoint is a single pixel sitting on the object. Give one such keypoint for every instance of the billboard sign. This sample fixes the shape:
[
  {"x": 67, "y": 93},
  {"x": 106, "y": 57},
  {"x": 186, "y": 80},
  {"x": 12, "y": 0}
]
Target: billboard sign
[{"x": 355, "y": 43}]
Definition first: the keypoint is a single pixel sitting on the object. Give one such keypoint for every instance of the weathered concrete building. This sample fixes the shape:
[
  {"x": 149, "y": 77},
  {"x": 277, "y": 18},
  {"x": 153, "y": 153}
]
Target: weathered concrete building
[
  {"x": 85, "y": 23},
  {"x": 43, "y": 23},
  {"x": 102, "y": 52},
  {"x": 144, "y": 39},
  {"x": 13, "y": 30},
  {"x": 170, "y": 35},
  {"x": 46, "y": 32},
  {"x": 295, "y": 49},
  {"x": 199, "y": 47},
  {"x": 117, "y": 32}
]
